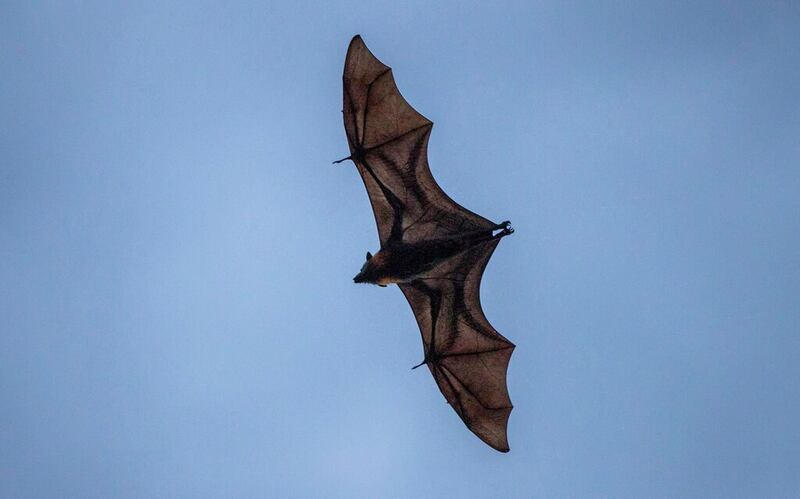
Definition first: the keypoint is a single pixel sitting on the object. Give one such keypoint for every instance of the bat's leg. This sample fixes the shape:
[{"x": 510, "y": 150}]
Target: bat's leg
[
  {"x": 504, "y": 228},
  {"x": 481, "y": 236},
  {"x": 487, "y": 234},
  {"x": 342, "y": 160},
  {"x": 507, "y": 231},
  {"x": 435, "y": 297}
]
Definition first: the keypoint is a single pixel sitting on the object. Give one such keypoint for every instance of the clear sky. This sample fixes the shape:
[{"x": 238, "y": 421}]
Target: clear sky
[{"x": 176, "y": 250}]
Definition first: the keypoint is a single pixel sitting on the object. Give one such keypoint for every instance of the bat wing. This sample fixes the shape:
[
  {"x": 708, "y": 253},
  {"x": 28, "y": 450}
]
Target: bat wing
[
  {"x": 388, "y": 142},
  {"x": 466, "y": 355}
]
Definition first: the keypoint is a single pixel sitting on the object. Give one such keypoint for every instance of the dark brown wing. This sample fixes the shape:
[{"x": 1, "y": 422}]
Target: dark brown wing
[
  {"x": 388, "y": 142},
  {"x": 466, "y": 355}
]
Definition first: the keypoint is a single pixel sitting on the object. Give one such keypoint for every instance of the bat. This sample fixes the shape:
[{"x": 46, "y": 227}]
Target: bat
[{"x": 434, "y": 249}]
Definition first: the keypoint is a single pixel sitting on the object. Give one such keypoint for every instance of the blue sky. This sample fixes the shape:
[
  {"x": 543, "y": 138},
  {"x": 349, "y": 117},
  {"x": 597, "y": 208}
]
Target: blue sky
[{"x": 176, "y": 250}]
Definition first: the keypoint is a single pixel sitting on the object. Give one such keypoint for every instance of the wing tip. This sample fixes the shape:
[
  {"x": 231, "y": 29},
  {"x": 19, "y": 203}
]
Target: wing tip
[
  {"x": 356, "y": 39},
  {"x": 358, "y": 54},
  {"x": 357, "y": 44},
  {"x": 498, "y": 439},
  {"x": 501, "y": 446}
]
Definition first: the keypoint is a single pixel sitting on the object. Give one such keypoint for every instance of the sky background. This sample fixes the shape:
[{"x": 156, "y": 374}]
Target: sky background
[{"x": 176, "y": 250}]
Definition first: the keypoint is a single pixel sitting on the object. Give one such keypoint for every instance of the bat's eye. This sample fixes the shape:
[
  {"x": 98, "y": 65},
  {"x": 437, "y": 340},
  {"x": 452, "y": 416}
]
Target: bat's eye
[{"x": 369, "y": 255}]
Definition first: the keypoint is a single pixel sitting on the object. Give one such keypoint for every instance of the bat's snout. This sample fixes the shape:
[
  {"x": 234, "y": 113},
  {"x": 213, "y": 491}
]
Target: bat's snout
[{"x": 359, "y": 278}]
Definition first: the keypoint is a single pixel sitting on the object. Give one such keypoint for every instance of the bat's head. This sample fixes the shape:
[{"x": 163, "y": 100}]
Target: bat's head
[{"x": 369, "y": 271}]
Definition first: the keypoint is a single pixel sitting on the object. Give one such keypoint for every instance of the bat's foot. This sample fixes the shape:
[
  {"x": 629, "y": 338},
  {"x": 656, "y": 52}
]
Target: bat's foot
[{"x": 505, "y": 229}]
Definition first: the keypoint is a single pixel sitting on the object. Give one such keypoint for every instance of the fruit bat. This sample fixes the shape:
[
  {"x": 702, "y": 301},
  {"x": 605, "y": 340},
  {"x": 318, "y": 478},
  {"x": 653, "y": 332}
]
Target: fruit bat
[{"x": 434, "y": 249}]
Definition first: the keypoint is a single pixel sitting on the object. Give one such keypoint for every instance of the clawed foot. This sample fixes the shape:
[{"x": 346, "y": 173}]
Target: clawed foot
[{"x": 506, "y": 228}]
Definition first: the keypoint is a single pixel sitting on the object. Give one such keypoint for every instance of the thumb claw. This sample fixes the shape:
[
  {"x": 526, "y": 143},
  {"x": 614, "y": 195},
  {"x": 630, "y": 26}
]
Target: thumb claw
[{"x": 341, "y": 160}]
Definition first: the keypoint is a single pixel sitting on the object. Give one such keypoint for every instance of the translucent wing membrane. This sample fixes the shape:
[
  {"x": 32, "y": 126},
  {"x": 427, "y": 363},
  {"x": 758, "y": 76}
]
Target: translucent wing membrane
[
  {"x": 466, "y": 355},
  {"x": 389, "y": 142}
]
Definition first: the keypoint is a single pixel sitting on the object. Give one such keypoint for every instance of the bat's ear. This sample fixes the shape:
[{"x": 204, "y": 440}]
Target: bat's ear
[{"x": 369, "y": 255}]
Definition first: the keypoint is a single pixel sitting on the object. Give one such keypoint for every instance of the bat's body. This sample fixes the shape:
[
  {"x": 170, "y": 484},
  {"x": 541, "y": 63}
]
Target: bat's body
[
  {"x": 400, "y": 262},
  {"x": 434, "y": 249}
]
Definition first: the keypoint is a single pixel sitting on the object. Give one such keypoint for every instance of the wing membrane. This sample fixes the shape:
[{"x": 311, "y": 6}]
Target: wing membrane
[
  {"x": 388, "y": 142},
  {"x": 467, "y": 357}
]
